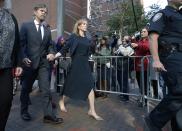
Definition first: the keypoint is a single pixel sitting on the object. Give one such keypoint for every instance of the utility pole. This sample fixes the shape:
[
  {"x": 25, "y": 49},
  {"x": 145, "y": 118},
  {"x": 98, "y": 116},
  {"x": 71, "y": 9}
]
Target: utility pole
[
  {"x": 60, "y": 17},
  {"x": 8, "y": 4},
  {"x": 60, "y": 31},
  {"x": 134, "y": 13}
]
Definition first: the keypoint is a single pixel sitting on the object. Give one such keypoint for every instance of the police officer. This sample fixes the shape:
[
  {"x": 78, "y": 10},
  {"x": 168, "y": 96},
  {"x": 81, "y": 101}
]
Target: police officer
[{"x": 165, "y": 36}]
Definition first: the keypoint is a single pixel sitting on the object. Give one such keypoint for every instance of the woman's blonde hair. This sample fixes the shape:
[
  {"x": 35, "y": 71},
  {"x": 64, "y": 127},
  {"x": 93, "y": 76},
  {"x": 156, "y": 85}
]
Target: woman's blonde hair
[{"x": 78, "y": 23}]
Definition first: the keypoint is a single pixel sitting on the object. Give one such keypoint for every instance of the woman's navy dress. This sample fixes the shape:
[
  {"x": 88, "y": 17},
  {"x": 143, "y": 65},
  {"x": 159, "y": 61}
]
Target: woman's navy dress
[{"x": 79, "y": 81}]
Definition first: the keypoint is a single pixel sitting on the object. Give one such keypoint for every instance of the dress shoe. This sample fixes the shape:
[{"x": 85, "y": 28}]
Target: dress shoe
[
  {"x": 104, "y": 95},
  {"x": 26, "y": 116},
  {"x": 98, "y": 94},
  {"x": 124, "y": 99},
  {"x": 98, "y": 118},
  {"x": 149, "y": 125},
  {"x": 141, "y": 104},
  {"x": 52, "y": 120},
  {"x": 120, "y": 96}
]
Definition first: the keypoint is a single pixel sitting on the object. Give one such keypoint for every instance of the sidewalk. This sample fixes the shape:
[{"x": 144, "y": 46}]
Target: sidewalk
[{"x": 118, "y": 116}]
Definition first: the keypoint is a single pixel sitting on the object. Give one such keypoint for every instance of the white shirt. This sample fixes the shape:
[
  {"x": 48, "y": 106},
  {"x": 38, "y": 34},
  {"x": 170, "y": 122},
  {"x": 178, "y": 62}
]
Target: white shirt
[{"x": 41, "y": 28}]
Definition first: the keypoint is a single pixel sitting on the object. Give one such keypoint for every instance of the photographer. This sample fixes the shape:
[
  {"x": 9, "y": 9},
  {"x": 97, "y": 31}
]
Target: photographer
[
  {"x": 124, "y": 65},
  {"x": 141, "y": 49}
]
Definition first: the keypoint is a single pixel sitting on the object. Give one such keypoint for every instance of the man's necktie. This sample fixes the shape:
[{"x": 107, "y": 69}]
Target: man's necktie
[{"x": 39, "y": 31}]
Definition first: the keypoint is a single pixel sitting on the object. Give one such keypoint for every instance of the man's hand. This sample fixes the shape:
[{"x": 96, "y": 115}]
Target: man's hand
[
  {"x": 50, "y": 57},
  {"x": 55, "y": 64},
  {"x": 27, "y": 62},
  {"x": 134, "y": 45},
  {"x": 18, "y": 71},
  {"x": 158, "y": 66}
]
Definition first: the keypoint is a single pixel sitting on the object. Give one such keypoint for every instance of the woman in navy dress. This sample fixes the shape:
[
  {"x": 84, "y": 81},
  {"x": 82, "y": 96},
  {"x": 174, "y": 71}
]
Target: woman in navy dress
[{"x": 79, "y": 82}]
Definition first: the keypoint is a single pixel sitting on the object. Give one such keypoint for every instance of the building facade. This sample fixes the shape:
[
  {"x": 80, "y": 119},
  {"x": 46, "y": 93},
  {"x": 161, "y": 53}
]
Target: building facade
[
  {"x": 73, "y": 10},
  {"x": 102, "y": 10}
]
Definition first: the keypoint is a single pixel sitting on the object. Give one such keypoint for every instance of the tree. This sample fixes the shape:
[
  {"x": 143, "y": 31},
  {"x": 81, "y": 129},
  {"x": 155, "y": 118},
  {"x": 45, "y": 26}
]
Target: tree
[
  {"x": 154, "y": 8},
  {"x": 124, "y": 21}
]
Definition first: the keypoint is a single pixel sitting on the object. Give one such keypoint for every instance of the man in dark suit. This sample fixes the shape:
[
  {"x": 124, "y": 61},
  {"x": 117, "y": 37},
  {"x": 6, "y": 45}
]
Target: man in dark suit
[{"x": 38, "y": 53}]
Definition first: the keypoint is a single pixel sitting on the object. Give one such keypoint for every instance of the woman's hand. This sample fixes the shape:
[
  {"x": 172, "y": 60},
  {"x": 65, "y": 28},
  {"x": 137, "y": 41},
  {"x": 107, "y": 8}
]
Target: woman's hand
[
  {"x": 57, "y": 55},
  {"x": 18, "y": 71}
]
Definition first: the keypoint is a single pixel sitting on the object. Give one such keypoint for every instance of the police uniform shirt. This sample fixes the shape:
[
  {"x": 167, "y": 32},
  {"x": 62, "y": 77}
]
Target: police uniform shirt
[{"x": 168, "y": 24}]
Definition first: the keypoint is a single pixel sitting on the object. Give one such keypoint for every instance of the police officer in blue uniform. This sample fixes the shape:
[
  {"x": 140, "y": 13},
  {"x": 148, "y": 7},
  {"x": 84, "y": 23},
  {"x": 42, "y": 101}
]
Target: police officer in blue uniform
[{"x": 165, "y": 36}]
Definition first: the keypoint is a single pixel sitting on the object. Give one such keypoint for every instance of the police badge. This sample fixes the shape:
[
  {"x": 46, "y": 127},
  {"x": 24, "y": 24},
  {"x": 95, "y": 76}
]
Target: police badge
[{"x": 157, "y": 17}]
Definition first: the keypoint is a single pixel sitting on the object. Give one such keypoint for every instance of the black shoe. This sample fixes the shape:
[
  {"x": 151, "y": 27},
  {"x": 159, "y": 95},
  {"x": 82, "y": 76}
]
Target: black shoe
[
  {"x": 141, "y": 104},
  {"x": 149, "y": 126},
  {"x": 52, "y": 120},
  {"x": 26, "y": 116},
  {"x": 121, "y": 96},
  {"x": 104, "y": 95},
  {"x": 98, "y": 94},
  {"x": 124, "y": 99}
]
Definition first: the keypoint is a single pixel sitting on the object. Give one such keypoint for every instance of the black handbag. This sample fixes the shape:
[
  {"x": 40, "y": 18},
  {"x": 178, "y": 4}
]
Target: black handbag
[{"x": 65, "y": 64}]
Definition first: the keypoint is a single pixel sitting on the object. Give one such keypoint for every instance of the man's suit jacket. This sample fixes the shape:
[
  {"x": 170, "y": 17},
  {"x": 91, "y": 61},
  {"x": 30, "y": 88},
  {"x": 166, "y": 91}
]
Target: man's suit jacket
[{"x": 33, "y": 47}]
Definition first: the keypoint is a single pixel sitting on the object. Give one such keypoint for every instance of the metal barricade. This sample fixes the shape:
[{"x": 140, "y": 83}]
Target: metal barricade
[
  {"x": 152, "y": 88},
  {"x": 113, "y": 74},
  {"x": 117, "y": 75}
]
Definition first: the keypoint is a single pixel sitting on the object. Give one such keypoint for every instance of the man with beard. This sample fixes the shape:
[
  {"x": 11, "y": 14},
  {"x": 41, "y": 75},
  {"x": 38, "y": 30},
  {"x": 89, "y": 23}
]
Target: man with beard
[{"x": 38, "y": 52}]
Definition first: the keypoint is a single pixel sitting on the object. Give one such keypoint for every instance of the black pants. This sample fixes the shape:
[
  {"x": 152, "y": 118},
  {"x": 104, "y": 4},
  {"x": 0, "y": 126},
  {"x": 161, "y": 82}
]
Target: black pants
[
  {"x": 122, "y": 76},
  {"x": 6, "y": 96},
  {"x": 29, "y": 76},
  {"x": 103, "y": 78},
  {"x": 166, "y": 110},
  {"x": 138, "y": 77}
]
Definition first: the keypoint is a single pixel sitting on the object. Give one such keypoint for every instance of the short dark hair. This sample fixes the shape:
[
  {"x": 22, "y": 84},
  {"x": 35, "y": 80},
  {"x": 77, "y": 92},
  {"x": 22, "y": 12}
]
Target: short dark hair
[{"x": 38, "y": 6}]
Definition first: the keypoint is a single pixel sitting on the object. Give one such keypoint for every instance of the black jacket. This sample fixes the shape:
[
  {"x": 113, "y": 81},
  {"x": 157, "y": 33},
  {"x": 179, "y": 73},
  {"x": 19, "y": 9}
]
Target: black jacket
[{"x": 33, "y": 47}]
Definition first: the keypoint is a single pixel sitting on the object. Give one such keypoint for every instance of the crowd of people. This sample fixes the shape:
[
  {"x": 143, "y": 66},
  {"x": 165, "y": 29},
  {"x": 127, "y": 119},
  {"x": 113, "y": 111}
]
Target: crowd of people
[{"x": 31, "y": 55}]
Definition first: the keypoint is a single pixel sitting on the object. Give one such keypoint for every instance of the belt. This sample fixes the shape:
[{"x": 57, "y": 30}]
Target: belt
[
  {"x": 167, "y": 48},
  {"x": 177, "y": 47}
]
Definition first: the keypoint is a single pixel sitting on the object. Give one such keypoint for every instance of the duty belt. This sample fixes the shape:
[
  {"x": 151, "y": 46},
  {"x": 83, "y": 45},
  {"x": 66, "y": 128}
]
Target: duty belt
[
  {"x": 169, "y": 48},
  {"x": 177, "y": 47}
]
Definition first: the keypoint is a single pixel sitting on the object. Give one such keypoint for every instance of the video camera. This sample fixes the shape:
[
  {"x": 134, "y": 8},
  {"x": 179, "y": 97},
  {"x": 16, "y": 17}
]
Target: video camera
[{"x": 137, "y": 35}]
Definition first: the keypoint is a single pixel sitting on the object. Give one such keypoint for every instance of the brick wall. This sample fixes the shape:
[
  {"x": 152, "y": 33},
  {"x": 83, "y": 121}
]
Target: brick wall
[{"x": 73, "y": 9}]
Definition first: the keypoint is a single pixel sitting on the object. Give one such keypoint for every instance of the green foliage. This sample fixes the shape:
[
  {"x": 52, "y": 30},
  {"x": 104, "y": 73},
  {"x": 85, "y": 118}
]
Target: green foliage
[
  {"x": 124, "y": 21},
  {"x": 114, "y": 22}
]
